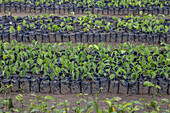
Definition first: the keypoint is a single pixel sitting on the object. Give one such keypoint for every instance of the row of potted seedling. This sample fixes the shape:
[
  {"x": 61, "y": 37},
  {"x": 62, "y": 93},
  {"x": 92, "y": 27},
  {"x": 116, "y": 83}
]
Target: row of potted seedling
[
  {"x": 61, "y": 28},
  {"x": 86, "y": 23},
  {"x": 117, "y": 37},
  {"x": 95, "y": 6},
  {"x": 66, "y": 86},
  {"x": 126, "y": 62},
  {"x": 103, "y": 11},
  {"x": 115, "y": 3}
]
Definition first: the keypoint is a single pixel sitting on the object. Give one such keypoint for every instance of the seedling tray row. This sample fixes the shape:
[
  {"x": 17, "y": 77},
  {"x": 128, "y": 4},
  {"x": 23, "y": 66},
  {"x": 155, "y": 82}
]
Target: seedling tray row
[
  {"x": 85, "y": 67},
  {"x": 89, "y": 28},
  {"x": 80, "y": 7}
]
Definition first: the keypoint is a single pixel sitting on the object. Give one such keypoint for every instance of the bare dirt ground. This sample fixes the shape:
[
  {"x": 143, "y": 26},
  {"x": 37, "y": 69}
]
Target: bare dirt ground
[
  {"x": 63, "y": 15},
  {"x": 105, "y": 44},
  {"x": 72, "y": 98}
]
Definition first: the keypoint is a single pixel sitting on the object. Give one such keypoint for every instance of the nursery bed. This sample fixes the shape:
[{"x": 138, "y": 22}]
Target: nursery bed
[
  {"x": 96, "y": 6},
  {"x": 62, "y": 76},
  {"x": 95, "y": 28},
  {"x": 119, "y": 86},
  {"x": 50, "y": 67}
]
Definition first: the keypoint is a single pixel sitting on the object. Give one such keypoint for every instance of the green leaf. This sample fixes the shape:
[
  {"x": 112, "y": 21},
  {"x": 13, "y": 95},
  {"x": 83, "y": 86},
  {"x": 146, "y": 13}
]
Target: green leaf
[
  {"x": 161, "y": 5},
  {"x": 142, "y": 99},
  {"x": 166, "y": 29},
  {"x": 61, "y": 103},
  {"x": 49, "y": 98},
  {"x": 10, "y": 103},
  {"x": 135, "y": 109},
  {"x": 147, "y": 51},
  {"x": 166, "y": 100},
  {"x": 150, "y": 59},
  {"x": 24, "y": 22},
  {"x": 18, "y": 28},
  {"x": 128, "y": 104},
  {"x": 39, "y": 61},
  {"x": 154, "y": 112},
  {"x": 166, "y": 75},
  {"x": 96, "y": 107},
  {"x": 62, "y": 24},
  {"x": 158, "y": 87},
  {"x": 141, "y": 13},
  {"x": 148, "y": 84},
  {"x": 96, "y": 46},
  {"x": 109, "y": 48},
  {"x": 112, "y": 76},
  {"x": 4, "y": 57},
  {"x": 8, "y": 74},
  {"x": 123, "y": 51},
  {"x": 153, "y": 103},
  {"x": 153, "y": 74},
  {"x": 106, "y": 28},
  {"x": 125, "y": 45},
  {"x": 34, "y": 110}
]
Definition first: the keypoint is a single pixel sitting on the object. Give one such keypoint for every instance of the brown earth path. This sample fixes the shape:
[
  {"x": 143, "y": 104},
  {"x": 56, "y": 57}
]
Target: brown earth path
[
  {"x": 72, "y": 98},
  {"x": 62, "y": 15}
]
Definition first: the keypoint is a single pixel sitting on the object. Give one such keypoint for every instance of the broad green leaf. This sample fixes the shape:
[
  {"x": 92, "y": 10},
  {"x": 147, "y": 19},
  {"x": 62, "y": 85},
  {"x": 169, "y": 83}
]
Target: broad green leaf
[
  {"x": 123, "y": 51},
  {"x": 128, "y": 104},
  {"x": 96, "y": 107},
  {"x": 158, "y": 87},
  {"x": 140, "y": 12},
  {"x": 39, "y": 61},
  {"x": 49, "y": 97},
  {"x": 148, "y": 84},
  {"x": 96, "y": 46},
  {"x": 18, "y": 28},
  {"x": 166, "y": 75},
  {"x": 112, "y": 76}
]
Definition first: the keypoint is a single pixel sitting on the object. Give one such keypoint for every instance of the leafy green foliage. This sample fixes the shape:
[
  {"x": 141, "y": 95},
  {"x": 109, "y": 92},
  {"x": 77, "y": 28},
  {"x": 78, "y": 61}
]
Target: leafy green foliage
[
  {"x": 125, "y": 60},
  {"x": 146, "y": 23}
]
